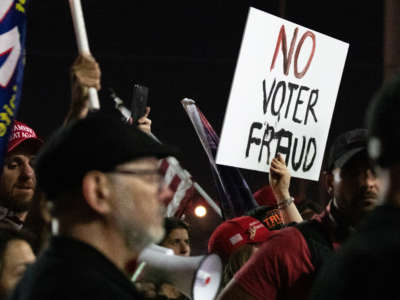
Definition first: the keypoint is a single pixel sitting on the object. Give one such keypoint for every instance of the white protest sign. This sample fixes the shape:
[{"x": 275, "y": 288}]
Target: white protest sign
[{"x": 282, "y": 97}]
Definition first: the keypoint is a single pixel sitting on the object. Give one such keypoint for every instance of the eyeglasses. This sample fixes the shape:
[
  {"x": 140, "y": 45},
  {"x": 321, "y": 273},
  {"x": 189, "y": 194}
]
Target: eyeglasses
[{"x": 152, "y": 176}]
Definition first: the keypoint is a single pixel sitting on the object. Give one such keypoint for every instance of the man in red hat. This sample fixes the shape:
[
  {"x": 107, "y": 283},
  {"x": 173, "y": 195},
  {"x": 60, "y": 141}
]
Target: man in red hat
[
  {"x": 18, "y": 181},
  {"x": 235, "y": 241},
  {"x": 285, "y": 266}
]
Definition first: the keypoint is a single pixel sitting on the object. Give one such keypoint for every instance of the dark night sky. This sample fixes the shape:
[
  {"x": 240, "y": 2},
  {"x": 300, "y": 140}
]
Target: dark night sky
[{"x": 186, "y": 49}]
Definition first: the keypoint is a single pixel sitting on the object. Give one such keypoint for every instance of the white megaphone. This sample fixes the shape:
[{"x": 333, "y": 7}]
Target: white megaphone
[{"x": 197, "y": 277}]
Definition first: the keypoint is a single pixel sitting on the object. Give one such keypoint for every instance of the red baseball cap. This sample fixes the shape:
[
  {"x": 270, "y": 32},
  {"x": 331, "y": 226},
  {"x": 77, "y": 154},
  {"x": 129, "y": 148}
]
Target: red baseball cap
[
  {"x": 265, "y": 196},
  {"x": 233, "y": 233},
  {"x": 21, "y": 133}
]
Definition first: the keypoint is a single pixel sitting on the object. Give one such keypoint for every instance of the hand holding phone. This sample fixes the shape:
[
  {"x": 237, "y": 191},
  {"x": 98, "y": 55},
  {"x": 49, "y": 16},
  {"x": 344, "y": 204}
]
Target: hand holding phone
[{"x": 139, "y": 102}]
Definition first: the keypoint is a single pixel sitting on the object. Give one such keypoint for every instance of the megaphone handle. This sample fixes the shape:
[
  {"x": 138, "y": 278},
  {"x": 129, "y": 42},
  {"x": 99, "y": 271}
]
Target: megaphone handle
[{"x": 138, "y": 271}]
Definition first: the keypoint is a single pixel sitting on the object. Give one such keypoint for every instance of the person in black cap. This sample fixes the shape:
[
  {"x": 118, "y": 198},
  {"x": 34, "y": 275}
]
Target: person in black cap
[
  {"x": 285, "y": 265},
  {"x": 102, "y": 178},
  {"x": 367, "y": 265}
]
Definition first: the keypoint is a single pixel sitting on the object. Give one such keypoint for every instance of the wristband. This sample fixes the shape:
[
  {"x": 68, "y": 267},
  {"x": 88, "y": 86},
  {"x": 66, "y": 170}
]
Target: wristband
[{"x": 285, "y": 203}]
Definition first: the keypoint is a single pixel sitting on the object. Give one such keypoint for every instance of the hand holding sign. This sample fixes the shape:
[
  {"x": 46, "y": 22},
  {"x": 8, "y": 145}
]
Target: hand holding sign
[{"x": 279, "y": 178}]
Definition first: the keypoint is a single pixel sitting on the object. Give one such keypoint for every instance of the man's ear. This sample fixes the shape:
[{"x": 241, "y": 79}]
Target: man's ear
[
  {"x": 328, "y": 181},
  {"x": 96, "y": 190}
]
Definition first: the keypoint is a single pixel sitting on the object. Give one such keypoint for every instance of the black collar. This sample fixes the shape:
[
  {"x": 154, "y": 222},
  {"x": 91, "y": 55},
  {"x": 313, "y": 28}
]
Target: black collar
[{"x": 86, "y": 255}]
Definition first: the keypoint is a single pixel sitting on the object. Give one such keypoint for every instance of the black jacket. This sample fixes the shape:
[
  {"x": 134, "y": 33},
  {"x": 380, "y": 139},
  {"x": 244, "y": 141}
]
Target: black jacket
[
  {"x": 70, "y": 269},
  {"x": 367, "y": 265}
]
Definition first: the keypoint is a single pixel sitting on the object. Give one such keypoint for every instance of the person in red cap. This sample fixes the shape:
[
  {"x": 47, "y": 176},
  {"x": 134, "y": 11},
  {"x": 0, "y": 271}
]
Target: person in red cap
[
  {"x": 237, "y": 239},
  {"x": 18, "y": 181},
  {"x": 233, "y": 233},
  {"x": 230, "y": 235},
  {"x": 285, "y": 266}
]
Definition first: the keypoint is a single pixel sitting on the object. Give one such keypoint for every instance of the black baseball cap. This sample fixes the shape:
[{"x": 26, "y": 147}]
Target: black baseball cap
[
  {"x": 98, "y": 142},
  {"x": 346, "y": 146}
]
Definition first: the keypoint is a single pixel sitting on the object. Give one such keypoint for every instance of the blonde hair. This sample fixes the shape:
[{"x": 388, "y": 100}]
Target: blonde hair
[{"x": 236, "y": 261}]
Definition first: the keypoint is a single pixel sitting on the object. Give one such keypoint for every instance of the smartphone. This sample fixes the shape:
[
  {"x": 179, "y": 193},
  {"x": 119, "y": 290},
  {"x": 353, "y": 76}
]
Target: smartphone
[{"x": 139, "y": 102}]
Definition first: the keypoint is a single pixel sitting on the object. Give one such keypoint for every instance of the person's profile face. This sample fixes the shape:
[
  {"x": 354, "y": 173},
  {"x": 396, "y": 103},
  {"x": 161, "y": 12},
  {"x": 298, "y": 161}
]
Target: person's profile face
[
  {"x": 178, "y": 241},
  {"x": 140, "y": 195},
  {"x": 356, "y": 186},
  {"x": 17, "y": 256}
]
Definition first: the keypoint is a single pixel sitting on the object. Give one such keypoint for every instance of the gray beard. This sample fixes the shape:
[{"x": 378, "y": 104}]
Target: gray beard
[{"x": 137, "y": 238}]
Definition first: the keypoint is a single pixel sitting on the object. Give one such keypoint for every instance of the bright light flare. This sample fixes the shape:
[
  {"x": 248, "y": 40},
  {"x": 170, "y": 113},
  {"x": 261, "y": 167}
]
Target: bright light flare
[{"x": 200, "y": 211}]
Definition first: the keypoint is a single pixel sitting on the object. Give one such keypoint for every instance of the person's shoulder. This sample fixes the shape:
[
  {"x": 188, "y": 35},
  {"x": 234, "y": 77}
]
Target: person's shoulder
[
  {"x": 377, "y": 236},
  {"x": 284, "y": 245},
  {"x": 50, "y": 277},
  {"x": 345, "y": 273},
  {"x": 290, "y": 235},
  {"x": 368, "y": 256},
  {"x": 78, "y": 287}
]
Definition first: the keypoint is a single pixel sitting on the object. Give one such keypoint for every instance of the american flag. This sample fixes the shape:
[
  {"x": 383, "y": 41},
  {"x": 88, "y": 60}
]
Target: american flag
[
  {"x": 185, "y": 190},
  {"x": 12, "y": 44}
]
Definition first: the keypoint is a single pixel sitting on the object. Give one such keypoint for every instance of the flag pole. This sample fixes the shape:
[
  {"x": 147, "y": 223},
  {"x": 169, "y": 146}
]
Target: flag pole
[
  {"x": 189, "y": 102},
  {"x": 208, "y": 199},
  {"x": 83, "y": 44},
  {"x": 235, "y": 195}
]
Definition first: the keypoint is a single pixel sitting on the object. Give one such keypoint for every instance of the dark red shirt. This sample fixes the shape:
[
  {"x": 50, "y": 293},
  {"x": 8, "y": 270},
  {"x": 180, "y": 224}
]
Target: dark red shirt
[{"x": 282, "y": 268}]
